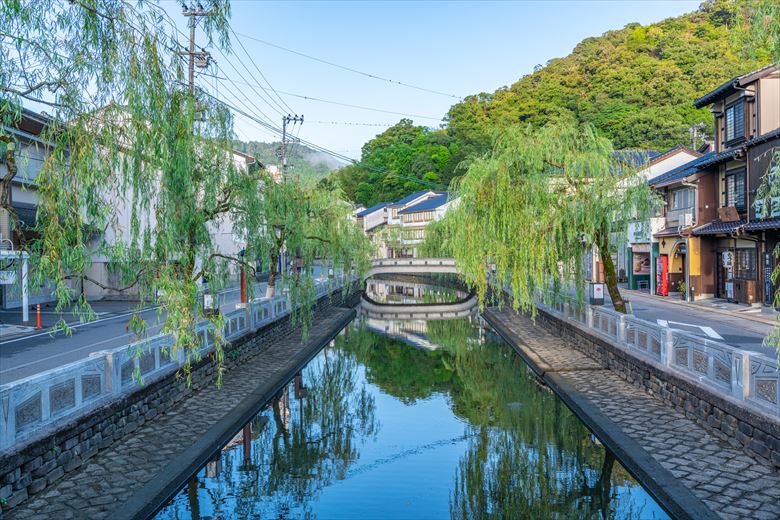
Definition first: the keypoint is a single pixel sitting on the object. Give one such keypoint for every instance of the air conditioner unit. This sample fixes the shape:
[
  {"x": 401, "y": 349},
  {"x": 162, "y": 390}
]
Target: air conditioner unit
[{"x": 687, "y": 219}]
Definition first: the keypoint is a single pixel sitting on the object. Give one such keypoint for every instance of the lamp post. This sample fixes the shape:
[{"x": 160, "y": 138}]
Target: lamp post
[{"x": 242, "y": 279}]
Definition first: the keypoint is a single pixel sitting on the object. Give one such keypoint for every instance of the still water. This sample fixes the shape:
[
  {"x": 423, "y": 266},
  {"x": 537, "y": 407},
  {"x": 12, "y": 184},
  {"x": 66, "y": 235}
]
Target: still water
[{"x": 414, "y": 419}]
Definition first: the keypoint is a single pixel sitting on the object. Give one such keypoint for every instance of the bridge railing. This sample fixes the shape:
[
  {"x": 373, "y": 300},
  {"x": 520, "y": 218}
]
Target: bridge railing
[
  {"x": 34, "y": 405},
  {"x": 750, "y": 377}
]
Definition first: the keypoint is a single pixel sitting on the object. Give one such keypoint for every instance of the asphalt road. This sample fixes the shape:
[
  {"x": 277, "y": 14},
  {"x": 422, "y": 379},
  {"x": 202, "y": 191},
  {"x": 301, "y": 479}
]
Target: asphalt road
[
  {"x": 732, "y": 330},
  {"x": 27, "y": 355}
]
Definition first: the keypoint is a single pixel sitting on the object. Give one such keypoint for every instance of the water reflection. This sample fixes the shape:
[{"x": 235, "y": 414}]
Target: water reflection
[
  {"x": 378, "y": 426},
  {"x": 408, "y": 289}
]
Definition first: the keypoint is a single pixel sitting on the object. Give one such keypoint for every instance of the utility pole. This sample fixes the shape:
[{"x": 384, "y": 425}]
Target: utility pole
[
  {"x": 202, "y": 57},
  {"x": 285, "y": 121}
]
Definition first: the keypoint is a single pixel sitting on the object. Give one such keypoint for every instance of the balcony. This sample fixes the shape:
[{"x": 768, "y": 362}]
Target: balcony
[{"x": 682, "y": 217}]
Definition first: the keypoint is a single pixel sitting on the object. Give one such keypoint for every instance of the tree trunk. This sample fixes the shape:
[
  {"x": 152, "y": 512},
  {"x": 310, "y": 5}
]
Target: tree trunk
[
  {"x": 610, "y": 276},
  {"x": 270, "y": 291}
]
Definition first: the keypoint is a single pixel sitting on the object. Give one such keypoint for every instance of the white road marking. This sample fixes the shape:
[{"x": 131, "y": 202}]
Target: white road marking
[{"x": 708, "y": 331}]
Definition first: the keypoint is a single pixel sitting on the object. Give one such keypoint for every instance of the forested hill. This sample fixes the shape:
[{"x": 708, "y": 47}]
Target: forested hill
[
  {"x": 302, "y": 161},
  {"x": 635, "y": 84}
]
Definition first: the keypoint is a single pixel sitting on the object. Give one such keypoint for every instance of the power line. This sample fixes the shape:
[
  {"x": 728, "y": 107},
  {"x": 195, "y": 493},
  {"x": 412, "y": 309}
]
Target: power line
[
  {"x": 261, "y": 73},
  {"x": 310, "y": 98},
  {"x": 319, "y": 148},
  {"x": 351, "y": 123},
  {"x": 350, "y": 69},
  {"x": 253, "y": 87}
]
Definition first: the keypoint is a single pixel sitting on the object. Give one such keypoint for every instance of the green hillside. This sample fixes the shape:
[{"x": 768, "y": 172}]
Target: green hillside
[{"x": 635, "y": 84}]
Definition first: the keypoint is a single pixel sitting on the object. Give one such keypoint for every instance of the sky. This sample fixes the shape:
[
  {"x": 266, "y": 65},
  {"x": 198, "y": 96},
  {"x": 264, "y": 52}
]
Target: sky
[{"x": 454, "y": 48}]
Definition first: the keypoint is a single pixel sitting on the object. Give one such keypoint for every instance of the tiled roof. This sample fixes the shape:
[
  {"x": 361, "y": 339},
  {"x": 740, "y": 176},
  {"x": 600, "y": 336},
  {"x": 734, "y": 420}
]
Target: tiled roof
[
  {"x": 761, "y": 225},
  {"x": 635, "y": 158},
  {"x": 680, "y": 172},
  {"x": 729, "y": 87},
  {"x": 409, "y": 198},
  {"x": 717, "y": 227},
  {"x": 426, "y": 205},
  {"x": 372, "y": 209}
]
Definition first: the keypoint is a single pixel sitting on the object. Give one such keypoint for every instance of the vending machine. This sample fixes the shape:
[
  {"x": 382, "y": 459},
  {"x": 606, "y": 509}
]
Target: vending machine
[{"x": 662, "y": 275}]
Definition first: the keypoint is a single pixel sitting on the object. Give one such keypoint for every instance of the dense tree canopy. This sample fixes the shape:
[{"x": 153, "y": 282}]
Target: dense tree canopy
[{"x": 635, "y": 85}]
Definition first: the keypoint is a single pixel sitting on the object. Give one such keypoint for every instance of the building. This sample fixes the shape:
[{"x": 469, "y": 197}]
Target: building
[
  {"x": 31, "y": 151},
  {"x": 632, "y": 260},
  {"x": 397, "y": 228},
  {"x": 716, "y": 240}
]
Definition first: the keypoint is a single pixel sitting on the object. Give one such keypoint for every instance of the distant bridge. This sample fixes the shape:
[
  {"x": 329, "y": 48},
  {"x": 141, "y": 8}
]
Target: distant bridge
[{"x": 412, "y": 266}]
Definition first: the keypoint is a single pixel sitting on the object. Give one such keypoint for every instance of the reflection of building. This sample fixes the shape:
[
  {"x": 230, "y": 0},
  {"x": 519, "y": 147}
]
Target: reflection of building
[{"x": 716, "y": 238}]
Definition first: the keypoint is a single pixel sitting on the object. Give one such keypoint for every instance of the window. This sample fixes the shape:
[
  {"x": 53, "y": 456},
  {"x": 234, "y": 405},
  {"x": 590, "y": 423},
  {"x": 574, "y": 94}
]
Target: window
[
  {"x": 682, "y": 199},
  {"x": 735, "y": 189},
  {"x": 735, "y": 121},
  {"x": 745, "y": 264}
]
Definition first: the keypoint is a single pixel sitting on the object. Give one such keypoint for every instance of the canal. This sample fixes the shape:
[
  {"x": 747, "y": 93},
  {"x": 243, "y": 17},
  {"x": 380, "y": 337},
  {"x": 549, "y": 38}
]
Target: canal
[{"x": 414, "y": 419}]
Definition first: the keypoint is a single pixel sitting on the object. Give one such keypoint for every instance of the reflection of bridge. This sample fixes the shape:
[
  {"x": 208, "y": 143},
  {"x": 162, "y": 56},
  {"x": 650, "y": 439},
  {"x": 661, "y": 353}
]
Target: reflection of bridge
[
  {"x": 412, "y": 266},
  {"x": 418, "y": 311}
]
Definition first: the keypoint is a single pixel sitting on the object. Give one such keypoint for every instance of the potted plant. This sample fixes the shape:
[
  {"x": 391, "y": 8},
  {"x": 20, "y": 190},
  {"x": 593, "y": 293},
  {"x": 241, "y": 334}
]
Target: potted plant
[{"x": 681, "y": 289}]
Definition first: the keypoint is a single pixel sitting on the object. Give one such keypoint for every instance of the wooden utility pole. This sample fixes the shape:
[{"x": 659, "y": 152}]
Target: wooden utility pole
[
  {"x": 285, "y": 121},
  {"x": 193, "y": 13}
]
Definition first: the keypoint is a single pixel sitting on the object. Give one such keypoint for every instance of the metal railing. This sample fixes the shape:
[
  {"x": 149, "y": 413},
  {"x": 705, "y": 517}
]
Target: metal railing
[
  {"x": 750, "y": 377},
  {"x": 40, "y": 403}
]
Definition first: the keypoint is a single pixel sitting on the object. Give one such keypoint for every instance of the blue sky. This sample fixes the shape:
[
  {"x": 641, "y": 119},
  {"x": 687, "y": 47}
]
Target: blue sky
[{"x": 455, "y": 47}]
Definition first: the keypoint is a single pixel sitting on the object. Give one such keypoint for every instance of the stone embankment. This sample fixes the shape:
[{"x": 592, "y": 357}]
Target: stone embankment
[
  {"x": 692, "y": 468},
  {"x": 128, "y": 458}
]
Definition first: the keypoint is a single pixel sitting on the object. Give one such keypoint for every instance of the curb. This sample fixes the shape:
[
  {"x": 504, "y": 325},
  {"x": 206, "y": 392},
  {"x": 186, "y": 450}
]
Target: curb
[
  {"x": 154, "y": 495},
  {"x": 665, "y": 488},
  {"x": 770, "y": 321}
]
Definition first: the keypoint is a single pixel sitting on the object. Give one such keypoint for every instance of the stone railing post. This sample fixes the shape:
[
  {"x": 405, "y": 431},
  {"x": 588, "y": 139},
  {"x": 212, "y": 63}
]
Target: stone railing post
[
  {"x": 589, "y": 316},
  {"x": 621, "y": 330},
  {"x": 8, "y": 411},
  {"x": 667, "y": 347},
  {"x": 745, "y": 376}
]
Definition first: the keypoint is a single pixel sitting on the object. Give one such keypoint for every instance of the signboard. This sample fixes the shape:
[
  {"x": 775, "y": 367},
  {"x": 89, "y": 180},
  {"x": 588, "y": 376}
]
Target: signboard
[
  {"x": 641, "y": 263},
  {"x": 7, "y": 277},
  {"x": 597, "y": 294},
  {"x": 769, "y": 292}
]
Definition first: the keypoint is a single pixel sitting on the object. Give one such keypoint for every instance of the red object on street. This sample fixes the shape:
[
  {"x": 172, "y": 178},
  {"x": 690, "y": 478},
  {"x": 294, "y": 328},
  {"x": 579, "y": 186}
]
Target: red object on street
[
  {"x": 38, "y": 316},
  {"x": 662, "y": 275}
]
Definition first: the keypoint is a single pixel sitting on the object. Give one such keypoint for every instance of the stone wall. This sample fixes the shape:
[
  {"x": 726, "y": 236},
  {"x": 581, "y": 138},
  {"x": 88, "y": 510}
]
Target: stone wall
[
  {"x": 726, "y": 418},
  {"x": 44, "y": 461}
]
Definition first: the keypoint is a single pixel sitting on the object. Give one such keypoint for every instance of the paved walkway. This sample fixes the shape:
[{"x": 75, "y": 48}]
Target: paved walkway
[
  {"x": 112, "y": 483},
  {"x": 724, "y": 479}
]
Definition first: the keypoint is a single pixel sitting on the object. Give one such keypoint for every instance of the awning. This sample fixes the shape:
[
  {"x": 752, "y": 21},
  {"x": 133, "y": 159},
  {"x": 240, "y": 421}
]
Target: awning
[
  {"x": 640, "y": 248},
  {"x": 718, "y": 227},
  {"x": 673, "y": 232}
]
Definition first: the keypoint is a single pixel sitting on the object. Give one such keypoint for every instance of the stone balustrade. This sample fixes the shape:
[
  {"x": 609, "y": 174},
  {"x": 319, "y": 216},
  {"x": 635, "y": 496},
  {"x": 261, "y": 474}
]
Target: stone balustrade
[
  {"x": 33, "y": 407},
  {"x": 747, "y": 376}
]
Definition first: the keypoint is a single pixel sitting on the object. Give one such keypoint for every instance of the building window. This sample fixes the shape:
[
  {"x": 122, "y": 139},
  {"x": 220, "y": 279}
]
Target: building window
[
  {"x": 745, "y": 264},
  {"x": 735, "y": 121},
  {"x": 735, "y": 189},
  {"x": 682, "y": 199}
]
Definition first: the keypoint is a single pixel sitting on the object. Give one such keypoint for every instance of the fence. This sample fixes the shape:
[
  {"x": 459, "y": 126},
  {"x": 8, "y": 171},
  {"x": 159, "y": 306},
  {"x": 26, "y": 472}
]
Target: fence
[
  {"x": 746, "y": 376},
  {"x": 46, "y": 400}
]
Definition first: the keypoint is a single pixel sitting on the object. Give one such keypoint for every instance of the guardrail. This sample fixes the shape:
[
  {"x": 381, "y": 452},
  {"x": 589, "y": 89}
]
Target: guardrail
[
  {"x": 746, "y": 376},
  {"x": 46, "y": 400}
]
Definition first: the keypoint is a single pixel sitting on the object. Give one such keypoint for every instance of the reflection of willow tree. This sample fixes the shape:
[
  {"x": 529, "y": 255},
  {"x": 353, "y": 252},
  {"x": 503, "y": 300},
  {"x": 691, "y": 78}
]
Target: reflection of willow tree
[
  {"x": 528, "y": 455},
  {"x": 291, "y": 462}
]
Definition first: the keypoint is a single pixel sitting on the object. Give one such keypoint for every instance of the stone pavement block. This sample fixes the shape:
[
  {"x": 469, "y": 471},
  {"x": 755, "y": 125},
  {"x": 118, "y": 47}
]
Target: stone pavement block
[{"x": 727, "y": 480}]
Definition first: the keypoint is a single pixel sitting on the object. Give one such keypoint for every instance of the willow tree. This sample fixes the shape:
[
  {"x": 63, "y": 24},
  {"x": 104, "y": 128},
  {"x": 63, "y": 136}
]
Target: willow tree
[
  {"x": 535, "y": 205},
  {"x": 139, "y": 166}
]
